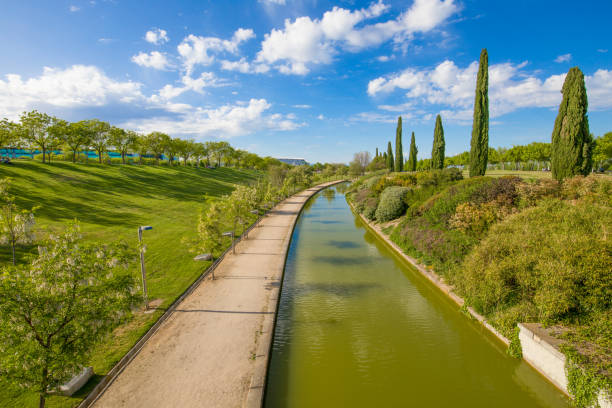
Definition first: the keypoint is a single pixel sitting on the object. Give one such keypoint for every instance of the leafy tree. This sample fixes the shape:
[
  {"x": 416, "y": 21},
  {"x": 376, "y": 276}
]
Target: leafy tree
[
  {"x": 412, "y": 156},
  {"x": 572, "y": 144},
  {"x": 35, "y": 127},
  {"x": 209, "y": 230},
  {"x": 55, "y": 309},
  {"x": 142, "y": 147},
  {"x": 99, "y": 132},
  {"x": 75, "y": 137},
  {"x": 399, "y": 153},
  {"x": 9, "y": 134},
  {"x": 199, "y": 151},
  {"x": 378, "y": 163},
  {"x": 602, "y": 154},
  {"x": 122, "y": 140},
  {"x": 480, "y": 128},
  {"x": 15, "y": 223},
  {"x": 186, "y": 149},
  {"x": 437, "y": 152},
  {"x": 157, "y": 142},
  {"x": 390, "y": 161}
]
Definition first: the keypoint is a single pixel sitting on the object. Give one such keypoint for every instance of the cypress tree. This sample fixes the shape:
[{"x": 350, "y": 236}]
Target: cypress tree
[
  {"x": 437, "y": 152},
  {"x": 572, "y": 144},
  {"x": 390, "y": 162},
  {"x": 399, "y": 153},
  {"x": 480, "y": 129},
  {"x": 377, "y": 152},
  {"x": 412, "y": 156}
]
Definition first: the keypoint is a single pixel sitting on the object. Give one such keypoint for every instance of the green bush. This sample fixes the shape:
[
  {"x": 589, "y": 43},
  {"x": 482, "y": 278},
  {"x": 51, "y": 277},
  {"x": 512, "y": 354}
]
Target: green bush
[{"x": 391, "y": 203}]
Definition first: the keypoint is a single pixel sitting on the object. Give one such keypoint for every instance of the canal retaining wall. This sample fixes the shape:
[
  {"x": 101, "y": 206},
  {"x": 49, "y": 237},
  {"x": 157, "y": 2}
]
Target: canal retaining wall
[{"x": 539, "y": 349}]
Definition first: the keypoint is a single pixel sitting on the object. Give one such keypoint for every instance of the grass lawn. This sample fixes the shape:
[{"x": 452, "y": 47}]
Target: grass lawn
[
  {"x": 110, "y": 202},
  {"x": 519, "y": 173}
]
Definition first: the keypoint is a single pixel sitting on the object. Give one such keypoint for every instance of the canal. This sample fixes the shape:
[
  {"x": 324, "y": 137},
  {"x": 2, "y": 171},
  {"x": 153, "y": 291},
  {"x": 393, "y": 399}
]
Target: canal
[{"x": 358, "y": 327}]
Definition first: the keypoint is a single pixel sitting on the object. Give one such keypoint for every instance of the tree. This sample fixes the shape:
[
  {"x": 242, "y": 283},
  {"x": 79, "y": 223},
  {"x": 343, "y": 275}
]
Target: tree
[
  {"x": 390, "y": 161},
  {"x": 15, "y": 223},
  {"x": 209, "y": 230},
  {"x": 437, "y": 152},
  {"x": 399, "y": 153},
  {"x": 412, "y": 156},
  {"x": 76, "y": 136},
  {"x": 602, "y": 154},
  {"x": 142, "y": 147},
  {"x": 480, "y": 128},
  {"x": 35, "y": 127},
  {"x": 157, "y": 142},
  {"x": 55, "y": 309},
  {"x": 186, "y": 149},
  {"x": 199, "y": 151},
  {"x": 9, "y": 134},
  {"x": 122, "y": 140},
  {"x": 100, "y": 136},
  {"x": 572, "y": 144},
  {"x": 376, "y": 152}
]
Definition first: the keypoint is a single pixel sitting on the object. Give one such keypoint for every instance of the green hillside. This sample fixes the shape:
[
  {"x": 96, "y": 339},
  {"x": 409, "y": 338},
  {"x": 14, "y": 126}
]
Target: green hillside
[{"x": 110, "y": 202}]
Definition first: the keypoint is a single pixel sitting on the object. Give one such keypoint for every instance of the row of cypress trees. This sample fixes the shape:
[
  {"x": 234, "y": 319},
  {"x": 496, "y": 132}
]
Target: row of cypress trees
[{"x": 572, "y": 143}]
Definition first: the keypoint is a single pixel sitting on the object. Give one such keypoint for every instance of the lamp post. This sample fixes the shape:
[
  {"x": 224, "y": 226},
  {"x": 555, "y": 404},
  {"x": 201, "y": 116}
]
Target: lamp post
[
  {"x": 231, "y": 234},
  {"x": 205, "y": 257},
  {"x": 142, "y": 264}
]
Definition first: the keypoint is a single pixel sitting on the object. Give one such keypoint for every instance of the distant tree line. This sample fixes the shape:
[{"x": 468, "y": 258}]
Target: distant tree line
[
  {"x": 573, "y": 149},
  {"x": 47, "y": 134}
]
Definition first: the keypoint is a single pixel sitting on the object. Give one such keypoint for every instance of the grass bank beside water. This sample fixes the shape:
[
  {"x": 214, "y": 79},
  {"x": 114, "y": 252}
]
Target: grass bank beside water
[{"x": 110, "y": 202}]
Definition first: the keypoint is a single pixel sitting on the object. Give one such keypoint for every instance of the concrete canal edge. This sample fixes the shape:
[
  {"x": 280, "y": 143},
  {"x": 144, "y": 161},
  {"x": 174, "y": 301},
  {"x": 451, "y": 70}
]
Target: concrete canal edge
[
  {"x": 255, "y": 396},
  {"x": 539, "y": 350}
]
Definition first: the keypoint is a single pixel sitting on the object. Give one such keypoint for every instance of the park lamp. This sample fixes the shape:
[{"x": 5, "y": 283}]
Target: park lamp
[
  {"x": 205, "y": 257},
  {"x": 231, "y": 234},
  {"x": 142, "y": 264}
]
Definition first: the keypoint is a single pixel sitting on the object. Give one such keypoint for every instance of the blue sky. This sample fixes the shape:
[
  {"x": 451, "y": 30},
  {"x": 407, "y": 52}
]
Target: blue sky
[{"x": 305, "y": 78}]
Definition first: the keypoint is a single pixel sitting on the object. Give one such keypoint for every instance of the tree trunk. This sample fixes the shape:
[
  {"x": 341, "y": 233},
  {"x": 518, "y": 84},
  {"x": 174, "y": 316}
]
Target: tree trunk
[
  {"x": 44, "y": 385},
  {"x": 41, "y": 401},
  {"x": 99, "y": 156},
  {"x": 123, "y": 157},
  {"x": 44, "y": 152},
  {"x": 74, "y": 154},
  {"x": 13, "y": 251}
]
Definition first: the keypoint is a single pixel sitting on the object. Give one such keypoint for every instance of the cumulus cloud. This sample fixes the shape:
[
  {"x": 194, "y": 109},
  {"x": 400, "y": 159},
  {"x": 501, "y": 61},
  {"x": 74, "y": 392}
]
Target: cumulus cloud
[
  {"x": 157, "y": 36},
  {"x": 510, "y": 88},
  {"x": 77, "y": 86},
  {"x": 302, "y": 106},
  {"x": 244, "y": 66},
  {"x": 74, "y": 9},
  {"x": 224, "y": 122},
  {"x": 205, "y": 80},
  {"x": 155, "y": 60},
  {"x": 277, "y": 2},
  {"x": 563, "y": 58},
  {"x": 195, "y": 50},
  {"x": 305, "y": 41}
]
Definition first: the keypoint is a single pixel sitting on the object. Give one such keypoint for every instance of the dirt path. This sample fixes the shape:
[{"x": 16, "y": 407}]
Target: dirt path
[{"x": 213, "y": 350}]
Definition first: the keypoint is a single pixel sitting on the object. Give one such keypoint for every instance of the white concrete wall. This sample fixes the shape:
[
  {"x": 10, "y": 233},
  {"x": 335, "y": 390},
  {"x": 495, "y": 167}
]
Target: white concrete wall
[{"x": 544, "y": 357}]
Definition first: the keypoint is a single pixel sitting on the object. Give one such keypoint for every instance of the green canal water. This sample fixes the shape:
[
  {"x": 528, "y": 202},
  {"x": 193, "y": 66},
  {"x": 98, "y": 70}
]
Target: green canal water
[{"x": 358, "y": 327}]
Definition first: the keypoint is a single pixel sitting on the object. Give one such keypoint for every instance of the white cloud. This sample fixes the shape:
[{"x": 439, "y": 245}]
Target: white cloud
[
  {"x": 397, "y": 108},
  {"x": 225, "y": 122},
  {"x": 77, "y": 86},
  {"x": 244, "y": 66},
  {"x": 302, "y": 106},
  {"x": 196, "y": 50},
  {"x": 74, "y": 9},
  {"x": 602, "y": 50},
  {"x": 563, "y": 58},
  {"x": 277, "y": 2},
  {"x": 155, "y": 60},
  {"x": 205, "y": 80},
  {"x": 321, "y": 117},
  {"x": 510, "y": 88},
  {"x": 307, "y": 41},
  {"x": 385, "y": 58},
  {"x": 157, "y": 36},
  {"x": 373, "y": 117},
  {"x": 106, "y": 40}
]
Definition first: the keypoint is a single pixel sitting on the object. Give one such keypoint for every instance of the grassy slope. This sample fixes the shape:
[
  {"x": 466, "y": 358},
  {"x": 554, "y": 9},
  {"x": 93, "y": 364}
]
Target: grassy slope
[{"x": 110, "y": 203}]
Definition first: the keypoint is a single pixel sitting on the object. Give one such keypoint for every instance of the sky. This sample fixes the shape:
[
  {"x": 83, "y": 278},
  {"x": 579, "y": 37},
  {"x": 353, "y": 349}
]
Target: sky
[{"x": 311, "y": 79}]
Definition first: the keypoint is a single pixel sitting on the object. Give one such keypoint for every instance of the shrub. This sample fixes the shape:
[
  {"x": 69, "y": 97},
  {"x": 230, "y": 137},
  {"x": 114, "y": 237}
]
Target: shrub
[
  {"x": 553, "y": 259},
  {"x": 369, "y": 208},
  {"x": 530, "y": 192},
  {"x": 391, "y": 204}
]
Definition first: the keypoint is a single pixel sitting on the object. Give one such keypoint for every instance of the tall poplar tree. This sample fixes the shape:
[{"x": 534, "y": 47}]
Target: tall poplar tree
[
  {"x": 412, "y": 156},
  {"x": 437, "y": 152},
  {"x": 399, "y": 153},
  {"x": 377, "y": 152},
  {"x": 480, "y": 129},
  {"x": 390, "y": 161},
  {"x": 572, "y": 144}
]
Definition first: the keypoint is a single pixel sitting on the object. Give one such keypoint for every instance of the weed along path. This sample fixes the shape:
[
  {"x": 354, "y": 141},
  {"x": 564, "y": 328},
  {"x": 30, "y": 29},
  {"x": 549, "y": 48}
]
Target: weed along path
[
  {"x": 213, "y": 350},
  {"x": 357, "y": 326}
]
